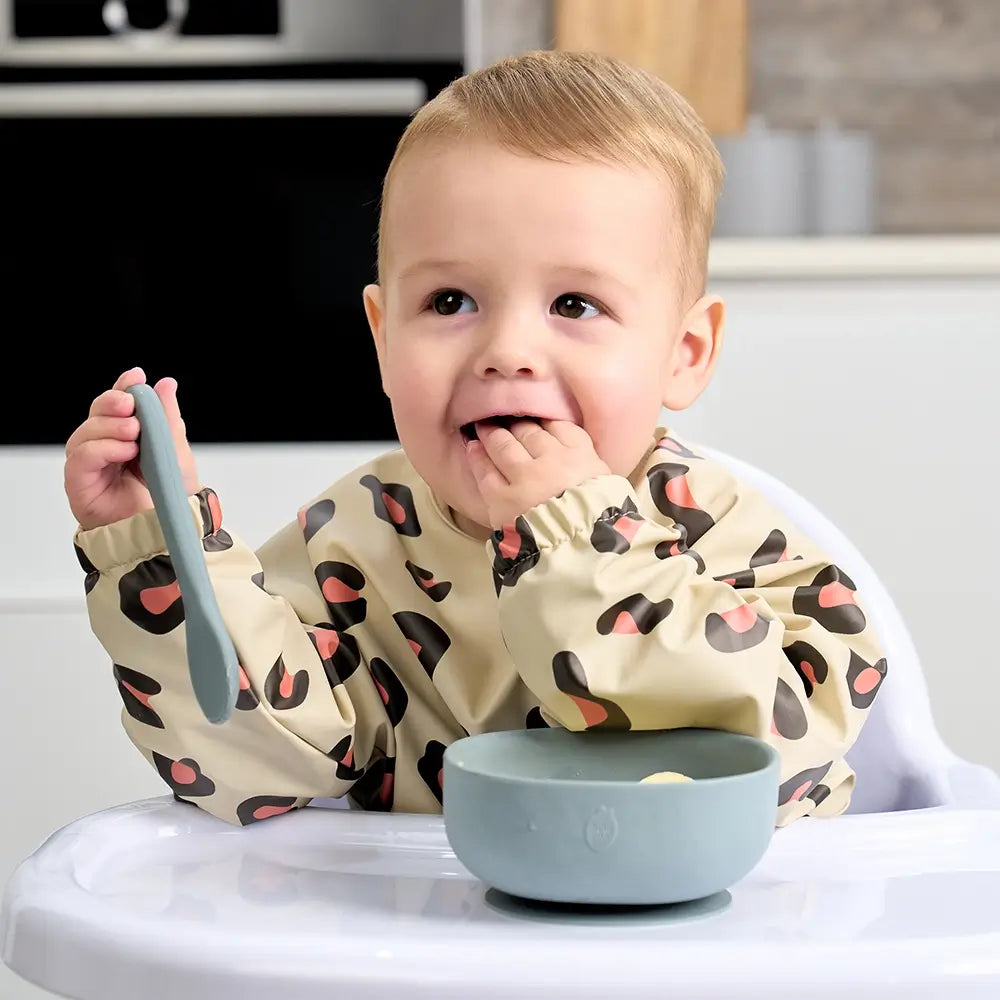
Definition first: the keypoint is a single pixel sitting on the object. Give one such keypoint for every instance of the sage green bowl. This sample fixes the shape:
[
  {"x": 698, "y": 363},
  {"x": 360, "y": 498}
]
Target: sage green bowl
[{"x": 561, "y": 817}]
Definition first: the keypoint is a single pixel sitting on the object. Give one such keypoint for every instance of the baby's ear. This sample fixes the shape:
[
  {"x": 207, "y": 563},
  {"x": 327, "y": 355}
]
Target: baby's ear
[
  {"x": 375, "y": 311},
  {"x": 695, "y": 352}
]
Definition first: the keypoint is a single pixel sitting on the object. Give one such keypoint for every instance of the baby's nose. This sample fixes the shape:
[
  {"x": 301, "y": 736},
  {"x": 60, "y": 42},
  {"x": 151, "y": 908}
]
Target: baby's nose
[{"x": 513, "y": 349}]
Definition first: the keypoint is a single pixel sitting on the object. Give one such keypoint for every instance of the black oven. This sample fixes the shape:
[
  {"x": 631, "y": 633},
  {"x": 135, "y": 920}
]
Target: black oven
[{"x": 192, "y": 186}]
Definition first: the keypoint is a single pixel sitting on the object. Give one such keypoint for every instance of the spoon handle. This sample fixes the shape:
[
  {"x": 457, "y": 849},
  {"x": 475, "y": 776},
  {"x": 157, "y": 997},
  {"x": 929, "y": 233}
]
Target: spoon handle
[{"x": 212, "y": 661}]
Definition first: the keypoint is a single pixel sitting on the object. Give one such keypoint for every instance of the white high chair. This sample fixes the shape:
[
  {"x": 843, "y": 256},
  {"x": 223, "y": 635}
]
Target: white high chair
[{"x": 159, "y": 901}]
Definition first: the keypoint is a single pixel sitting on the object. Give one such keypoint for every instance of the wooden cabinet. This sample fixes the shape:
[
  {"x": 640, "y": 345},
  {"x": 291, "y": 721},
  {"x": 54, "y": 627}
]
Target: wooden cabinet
[{"x": 697, "y": 46}]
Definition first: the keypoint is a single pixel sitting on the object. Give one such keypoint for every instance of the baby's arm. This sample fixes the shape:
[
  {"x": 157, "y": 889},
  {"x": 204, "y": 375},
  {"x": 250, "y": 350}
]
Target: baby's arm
[
  {"x": 721, "y": 614},
  {"x": 308, "y": 718}
]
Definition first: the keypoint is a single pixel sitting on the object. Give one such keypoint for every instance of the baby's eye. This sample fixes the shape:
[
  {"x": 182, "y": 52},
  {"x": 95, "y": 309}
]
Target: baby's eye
[
  {"x": 573, "y": 306},
  {"x": 451, "y": 301}
]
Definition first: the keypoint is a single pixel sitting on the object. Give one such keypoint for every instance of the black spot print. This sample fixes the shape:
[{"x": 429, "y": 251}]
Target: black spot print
[
  {"x": 373, "y": 791},
  {"x": 773, "y": 549},
  {"x": 598, "y": 713},
  {"x": 341, "y": 585},
  {"x": 534, "y": 719},
  {"x": 616, "y": 527},
  {"x": 514, "y": 553},
  {"x": 830, "y": 599},
  {"x": 679, "y": 547},
  {"x": 735, "y": 630},
  {"x": 864, "y": 680},
  {"x": 634, "y": 615},
  {"x": 426, "y": 638},
  {"x": 214, "y": 538},
  {"x": 430, "y": 767},
  {"x": 800, "y": 785},
  {"x": 390, "y": 690},
  {"x": 263, "y": 807},
  {"x": 393, "y": 503},
  {"x": 258, "y": 580},
  {"x": 284, "y": 689},
  {"x": 669, "y": 490},
  {"x": 424, "y": 579},
  {"x": 136, "y": 690},
  {"x": 315, "y": 516},
  {"x": 809, "y": 665},
  {"x": 93, "y": 575},
  {"x": 338, "y": 651},
  {"x": 789, "y": 716},
  {"x": 150, "y": 597},
  {"x": 741, "y": 579},
  {"x": 183, "y": 776},
  {"x": 343, "y": 754}
]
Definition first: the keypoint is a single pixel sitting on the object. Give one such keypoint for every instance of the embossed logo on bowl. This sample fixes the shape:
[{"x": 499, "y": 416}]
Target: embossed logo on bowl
[{"x": 601, "y": 829}]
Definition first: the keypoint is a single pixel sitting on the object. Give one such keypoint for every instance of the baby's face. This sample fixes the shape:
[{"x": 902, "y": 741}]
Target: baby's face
[{"x": 514, "y": 285}]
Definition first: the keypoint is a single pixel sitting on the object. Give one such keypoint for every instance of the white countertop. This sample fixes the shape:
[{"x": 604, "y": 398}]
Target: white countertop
[{"x": 855, "y": 257}]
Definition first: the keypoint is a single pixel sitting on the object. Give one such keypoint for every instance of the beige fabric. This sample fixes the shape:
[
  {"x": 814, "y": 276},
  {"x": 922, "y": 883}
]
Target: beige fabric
[{"x": 372, "y": 633}]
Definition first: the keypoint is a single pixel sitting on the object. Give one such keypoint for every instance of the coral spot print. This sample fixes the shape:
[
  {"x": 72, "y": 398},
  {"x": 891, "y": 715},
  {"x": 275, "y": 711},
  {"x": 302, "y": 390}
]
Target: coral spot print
[
  {"x": 246, "y": 700},
  {"x": 136, "y": 690},
  {"x": 93, "y": 575},
  {"x": 183, "y": 776},
  {"x": 338, "y": 651},
  {"x": 284, "y": 689},
  {"x": 809, "y": 665},
  {"x": 150, "y": 596},
  {"x": 735, "y": 630},
  {"x": 426, "y": 638},
  {"x": 742, "y": 578},
  {"x": 347, "y": 766},
  {"x": 393, "y": 504},
  {"x": 535, "y": 720},
  {"x": 668, "y": 486},
  {"x": 430, "y": 767},
  {"x": 313, "y": 517},
  {"x": 373, "y": 791},
  {"x": 830, "y": 599},
  {"x": 263, "y": 807},
  {"x": 390, "y": 689},
  {"x": 635, "y": 615},
  {"x": 668, "y": 443},
  {"x": 616, "y": 527},
  {"x": 341, "y": 585},
  {"x": 214, "y": 538},
  {"x": 801, "y": 785},
  {"x": 864, "y": 680},
  {"x": 514, "y": 553},
  {"x": 598, "y": 713},
  {"x": 436, "y": 590},
  {"x": 789, "y": 718}
]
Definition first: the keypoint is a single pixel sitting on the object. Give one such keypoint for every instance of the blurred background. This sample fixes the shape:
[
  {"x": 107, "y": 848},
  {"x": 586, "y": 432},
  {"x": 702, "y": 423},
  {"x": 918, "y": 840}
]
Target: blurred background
[{"x": 192, "y": 186}]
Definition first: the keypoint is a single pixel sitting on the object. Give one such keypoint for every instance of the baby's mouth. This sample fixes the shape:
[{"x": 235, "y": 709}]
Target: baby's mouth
[{"x": 504, "y": 420}]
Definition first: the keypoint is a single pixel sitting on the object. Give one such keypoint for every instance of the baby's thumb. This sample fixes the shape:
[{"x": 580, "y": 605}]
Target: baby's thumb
[{"x": 166, "y": 389}]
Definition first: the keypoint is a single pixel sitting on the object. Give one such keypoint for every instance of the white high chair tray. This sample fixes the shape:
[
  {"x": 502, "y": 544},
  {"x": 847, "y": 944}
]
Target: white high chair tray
[{"x": 157, "y": 900}]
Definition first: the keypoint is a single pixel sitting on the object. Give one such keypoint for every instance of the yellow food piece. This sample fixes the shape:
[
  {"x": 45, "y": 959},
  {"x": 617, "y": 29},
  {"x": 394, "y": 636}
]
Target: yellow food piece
[{"x": 664, "y": 778}]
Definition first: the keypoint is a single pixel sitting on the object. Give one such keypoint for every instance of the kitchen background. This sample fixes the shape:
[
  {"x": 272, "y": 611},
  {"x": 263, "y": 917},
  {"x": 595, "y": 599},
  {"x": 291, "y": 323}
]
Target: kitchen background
[{"x": 861, "y": 353}]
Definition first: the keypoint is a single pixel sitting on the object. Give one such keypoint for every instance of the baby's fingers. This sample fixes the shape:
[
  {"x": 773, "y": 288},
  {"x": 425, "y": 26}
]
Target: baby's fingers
[{"x": 101, "y": 428}]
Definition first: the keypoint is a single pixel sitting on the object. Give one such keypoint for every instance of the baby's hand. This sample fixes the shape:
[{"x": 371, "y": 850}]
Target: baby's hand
[{"x": 530, "y": 463}]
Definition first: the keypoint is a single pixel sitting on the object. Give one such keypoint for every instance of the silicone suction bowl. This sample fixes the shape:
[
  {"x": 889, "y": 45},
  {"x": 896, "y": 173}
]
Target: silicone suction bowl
[{"x": 563, "y": 817}]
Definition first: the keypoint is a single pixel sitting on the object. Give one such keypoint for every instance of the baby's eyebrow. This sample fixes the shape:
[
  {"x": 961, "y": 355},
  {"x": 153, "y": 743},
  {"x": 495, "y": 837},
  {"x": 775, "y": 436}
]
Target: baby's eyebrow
[
  {"x": 431, "y": 264},
  {"x": 590, "y": 274}
]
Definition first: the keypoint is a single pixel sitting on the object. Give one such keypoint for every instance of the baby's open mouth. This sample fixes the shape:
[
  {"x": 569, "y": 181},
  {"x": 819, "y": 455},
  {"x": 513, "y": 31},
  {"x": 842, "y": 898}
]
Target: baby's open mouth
[{"x": 500, "y": 420}]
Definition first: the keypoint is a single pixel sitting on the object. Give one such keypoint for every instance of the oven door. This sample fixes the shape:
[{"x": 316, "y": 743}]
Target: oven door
[{"x": 213, "y": 223}]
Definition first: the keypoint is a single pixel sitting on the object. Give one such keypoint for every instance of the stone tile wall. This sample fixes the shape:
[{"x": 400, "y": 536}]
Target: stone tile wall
[{"x": 922, "y": 75}]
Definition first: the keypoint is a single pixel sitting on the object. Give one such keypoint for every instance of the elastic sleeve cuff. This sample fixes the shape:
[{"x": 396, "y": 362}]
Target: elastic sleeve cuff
[
  {"x": 140, "y": 537},
  {"x": 579, "y": 508}
]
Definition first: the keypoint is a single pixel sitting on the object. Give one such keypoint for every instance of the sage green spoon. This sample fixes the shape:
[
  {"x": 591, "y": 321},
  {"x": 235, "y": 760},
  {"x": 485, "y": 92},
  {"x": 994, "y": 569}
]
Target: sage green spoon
[{"x": 212, "y": 661}]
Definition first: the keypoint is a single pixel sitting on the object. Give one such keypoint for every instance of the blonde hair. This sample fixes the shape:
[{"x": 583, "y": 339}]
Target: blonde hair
[{"x": 581, "y": 105}]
